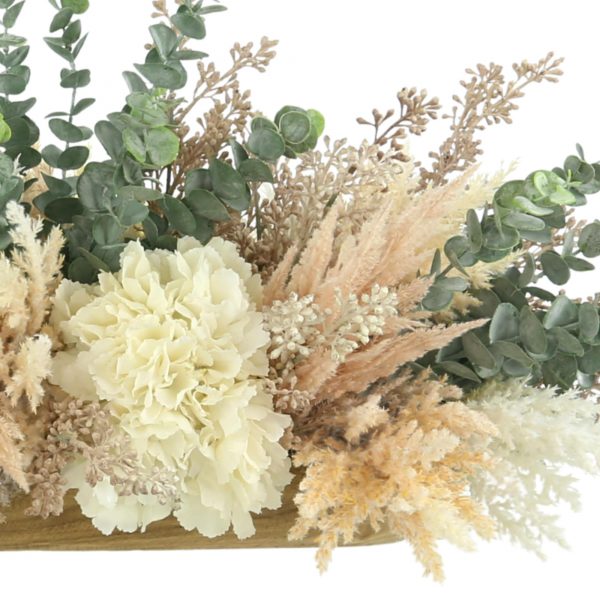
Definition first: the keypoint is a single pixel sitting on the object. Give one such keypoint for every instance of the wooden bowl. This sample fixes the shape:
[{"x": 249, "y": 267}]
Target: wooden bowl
[{"x": 73, "y": 531}]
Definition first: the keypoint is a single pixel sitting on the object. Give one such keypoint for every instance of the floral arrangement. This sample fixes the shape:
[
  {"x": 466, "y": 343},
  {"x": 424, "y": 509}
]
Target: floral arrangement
[{"x": 220, "y": 304}]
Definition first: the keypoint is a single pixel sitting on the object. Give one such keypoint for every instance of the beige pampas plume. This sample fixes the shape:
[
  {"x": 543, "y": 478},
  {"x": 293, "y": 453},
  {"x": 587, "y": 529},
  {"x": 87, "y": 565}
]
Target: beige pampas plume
[{"x": 29, "y": 275}]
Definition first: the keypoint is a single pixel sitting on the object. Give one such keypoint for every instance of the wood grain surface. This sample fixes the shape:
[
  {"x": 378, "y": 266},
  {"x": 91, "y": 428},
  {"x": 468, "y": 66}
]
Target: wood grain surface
[{"x": 73, "y": 531}]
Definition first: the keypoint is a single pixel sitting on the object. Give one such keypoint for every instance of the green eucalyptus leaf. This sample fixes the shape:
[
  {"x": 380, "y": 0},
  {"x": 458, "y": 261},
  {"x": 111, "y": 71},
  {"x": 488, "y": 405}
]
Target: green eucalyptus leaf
[
  {"x": 63, "y": 210},
  {"x": 179, "y": 215},
  {"x": 131, "y": 213},
  {"x": 110, "y": 138},
  {"x": 58, "y": 187},
  {"x": 229, "y": 185},
  {"x": 562, "y": 312},
  {"x": 589, "y": 321},
  {"x": 165, "y": 40},
  {"x": 77, "y": 6},
  {"x": 589, "y": 240},
  {"x": 61, "y": 19},
  {"x": 82, "y": 104},
  {"x": 72, "y": 33},
  {"x": 94, "y": 261},
  {"x": 528, "y": 271},
  {"x": 494, "y": 239},
  {"x": 266, "y": 144},
  {"x": 507, "y": 291},
  {"x": 239, "y": 153},
  {"x": 73, "y": 158},
  {"x": 317, "y": 121},
  {"x": 452, "y": 284},
  {"x": 523, "y": 221},
  {"x": 568, "y": 343},
  {"x": 489, "y": 302},
  {"x": 134, "y": 82},
  {"x": 474, "y": 231},
  {"x": 555, "y": 268},
  {"x": 295, "y": 126},
  {"x": 531, "y": 332},
  {"x": 460, "y": 370},
  {"x": 162, "y": 75},
  {"x": 8, "y": 40},
  {"x": 162, "y": 145},
  {"x": 505, "y": 323},
  {"x": 75, "y": 79},
  {"x": 253, "y": 169},
  {"x": 12, "y": 14},
  {"x": 205, "y": 204},
  {"x": 437, "y": 298},
  {"x": 82, "y": 271},
  {"x": 106, "y": 230},
  {"x": 189, "y": 24},
  {"x": 514, "y": 352},
  {"x": 134, "y": 145},
  {"x": 589, "y": 363},
  {"x": 262, "y": 123},
  {"x": 197, "y": 179},
  {"x": 578, "y": 264},
  {"x": 560, "y": 371},
  {"x": 67, "y": 132},
  {"x": 477, "y": 352}
]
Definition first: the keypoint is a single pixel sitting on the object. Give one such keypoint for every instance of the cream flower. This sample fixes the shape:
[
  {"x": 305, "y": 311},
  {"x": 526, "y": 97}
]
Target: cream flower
[{"x": 175, "y": 345}]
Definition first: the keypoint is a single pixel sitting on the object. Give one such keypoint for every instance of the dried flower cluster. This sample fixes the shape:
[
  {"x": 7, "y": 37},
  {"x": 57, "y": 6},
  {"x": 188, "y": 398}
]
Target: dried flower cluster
[{"x": 229, "y": 296}]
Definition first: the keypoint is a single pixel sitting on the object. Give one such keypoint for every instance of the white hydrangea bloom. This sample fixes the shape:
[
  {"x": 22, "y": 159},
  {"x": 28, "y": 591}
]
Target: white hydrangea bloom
[
  {"x": 541, "y": 431},
  {"x": 175, "y": 344}
]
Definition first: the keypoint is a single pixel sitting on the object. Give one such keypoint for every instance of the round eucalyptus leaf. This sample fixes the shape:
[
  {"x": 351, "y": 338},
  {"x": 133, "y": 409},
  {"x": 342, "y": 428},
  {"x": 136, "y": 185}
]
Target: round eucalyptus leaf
[
  {"x": 134, "y": 145},
  {"x": 262, "y": 123},
  {"x": 63, "y": 210},
  {"x": 514, "y": 352},
  {"x": 507, "y": 291},
  {"x": 162, "y": 145},
  {"x": 589, "y": 240},
  {"x": 437, "y": 298},
  {"x": 82, "y": 271},
  {"x": 179, "y": 215},
  {"x": 555, "y": 268},
  {"x": 239, "y": 153},
  {"x": 477, "y": 352},
  {"x": 295, "y": 126},
  {"x": 560, "y": 371},
  {"x": 589, "y": 321},
  {"x": 452, "y": 284},
  {"x": 540, "y": 293},
  {"x": 229, "y": 185},
  {"x": 562, "y": 312},
  {"x": 589, "y": 363},
  {"x": 515, "y": 368},
  {"x": 162, "y": 75},
  {"x": 5, "y": 132},
  {"x": 317, "y": 120},
  {"x": 489, "y": 302},
  {"x": 73, "y": 158},
  {"x": 205, "y": 204},
  {"x": 494, "y": 239},
  {"x": 531, "y": 332},
  {"x": 106, "y": 230},
  {"x": 131, "y": 213},
  {"x": 253, "y": 169},
  {"x": 505, "y": 323},
  {"x": 197, "y": 179},
  {"x": 266, "y": 144},
  {"x": 568, "y": 343},
  {"x": 189, "y": 24},
  {"x": 67, "y": 132}
]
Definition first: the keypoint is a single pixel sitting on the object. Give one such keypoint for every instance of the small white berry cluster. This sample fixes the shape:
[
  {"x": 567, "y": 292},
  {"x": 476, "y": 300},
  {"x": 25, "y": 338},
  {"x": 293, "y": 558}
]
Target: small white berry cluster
[{"x": 362, "y": 318}]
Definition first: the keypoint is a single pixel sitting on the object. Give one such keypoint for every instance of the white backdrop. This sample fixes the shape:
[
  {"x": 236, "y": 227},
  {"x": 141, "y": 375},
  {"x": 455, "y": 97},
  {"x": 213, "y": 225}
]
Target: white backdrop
[{"x": 345, "y": 57}]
